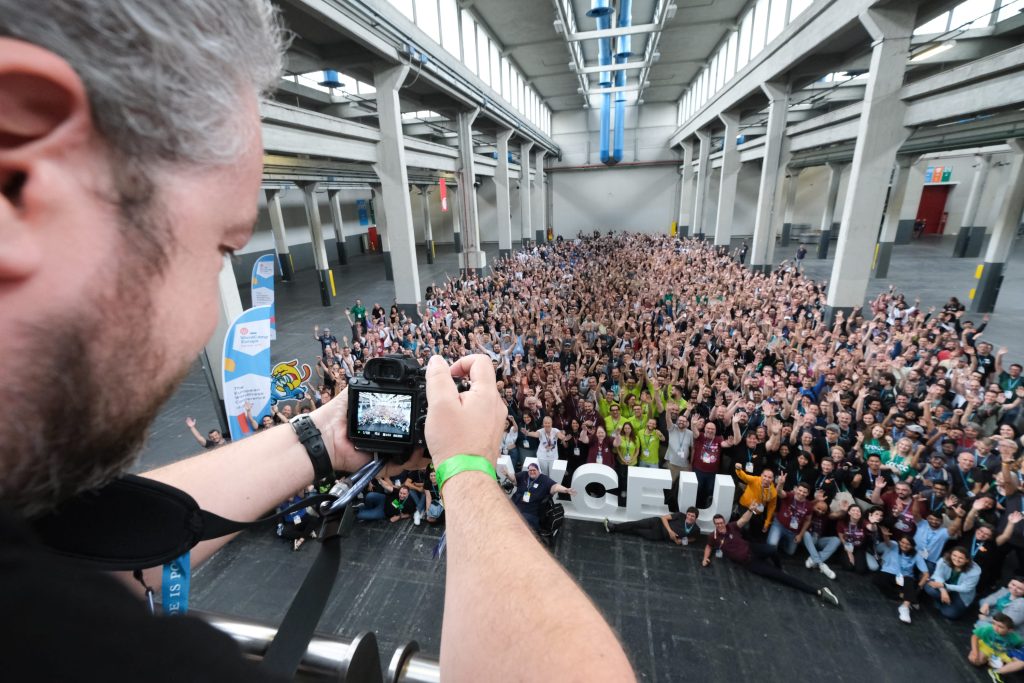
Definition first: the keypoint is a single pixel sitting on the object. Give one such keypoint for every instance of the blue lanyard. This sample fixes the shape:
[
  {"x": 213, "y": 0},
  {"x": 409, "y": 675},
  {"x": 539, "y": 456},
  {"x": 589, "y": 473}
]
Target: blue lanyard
[
  {"x": 175, "y": 585},
  {"x": 974, "y": 548}
]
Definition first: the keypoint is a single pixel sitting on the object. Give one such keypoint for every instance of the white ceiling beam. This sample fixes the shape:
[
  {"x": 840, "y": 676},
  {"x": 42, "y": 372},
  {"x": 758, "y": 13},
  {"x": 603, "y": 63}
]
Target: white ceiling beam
[
  {"x": 612, "y": 32},
  {"x": 614, "y": 67}
]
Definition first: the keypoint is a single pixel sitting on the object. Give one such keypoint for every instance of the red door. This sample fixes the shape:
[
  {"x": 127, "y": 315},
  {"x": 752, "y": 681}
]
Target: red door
[{"x": 932, "y": 208}]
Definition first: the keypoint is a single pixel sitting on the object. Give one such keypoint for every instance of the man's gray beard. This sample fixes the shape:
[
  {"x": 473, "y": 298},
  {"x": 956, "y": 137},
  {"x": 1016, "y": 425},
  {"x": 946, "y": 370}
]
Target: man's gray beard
[{"x": 87, "y": 421}]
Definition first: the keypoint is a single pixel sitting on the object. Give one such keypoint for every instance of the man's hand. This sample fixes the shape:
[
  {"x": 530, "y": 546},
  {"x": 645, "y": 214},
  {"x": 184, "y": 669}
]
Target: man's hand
[
  {"x": 190, "y": 422},
  {"x": 471, "y": 422}
]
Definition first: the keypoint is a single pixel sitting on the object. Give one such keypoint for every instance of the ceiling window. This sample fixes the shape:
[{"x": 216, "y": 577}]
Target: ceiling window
[
  {"x": 469, "y": 56},
  {"x": 743, "y": 50},
  {"x": 973, "y": 14},
  {"x": 937, "y": 25},
  {"x": 760, "y": 27},
  {"x": 450, "y": 39},
  {"x": 483, "y": 55},
  {"x": 506, "y": 80},
  {"x": 776, "y": 19},
  {"x": 796, "y": 7},
  {"x": 1009, "y": 9},
  {"x": 426, "y": 19},
  {"x": 730, "y": 55},
  {"x": 495, "y": 68},
  {"x": 405, "y": 7}
]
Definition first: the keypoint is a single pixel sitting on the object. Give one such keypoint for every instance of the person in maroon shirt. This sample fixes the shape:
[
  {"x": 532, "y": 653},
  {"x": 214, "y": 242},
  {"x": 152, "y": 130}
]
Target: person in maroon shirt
[
  {"x": 757, "y": 558},
  {"x": 792, "y": 517},
  {"x": 707, "y": 460}
]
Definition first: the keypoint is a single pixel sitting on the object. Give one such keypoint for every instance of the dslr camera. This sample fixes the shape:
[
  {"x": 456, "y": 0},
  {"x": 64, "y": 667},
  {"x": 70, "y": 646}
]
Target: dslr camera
[{"x": 387, "y": 406}]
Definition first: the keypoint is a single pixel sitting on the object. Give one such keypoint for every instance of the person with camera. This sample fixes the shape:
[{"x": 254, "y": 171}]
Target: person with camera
[{"x": 116, "y": 231}]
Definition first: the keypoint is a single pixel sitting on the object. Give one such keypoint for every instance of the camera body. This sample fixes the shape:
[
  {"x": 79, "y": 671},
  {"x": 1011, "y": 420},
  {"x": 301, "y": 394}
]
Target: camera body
[{"x": 387, "y": 406}]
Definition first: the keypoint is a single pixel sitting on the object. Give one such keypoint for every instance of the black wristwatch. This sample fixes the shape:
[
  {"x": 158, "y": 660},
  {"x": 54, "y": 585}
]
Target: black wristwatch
[{"x": 309, "y": 436}]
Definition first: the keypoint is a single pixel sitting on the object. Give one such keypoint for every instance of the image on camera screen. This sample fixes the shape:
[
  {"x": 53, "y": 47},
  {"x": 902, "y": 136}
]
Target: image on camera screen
[{"x": 383, "y": 416}]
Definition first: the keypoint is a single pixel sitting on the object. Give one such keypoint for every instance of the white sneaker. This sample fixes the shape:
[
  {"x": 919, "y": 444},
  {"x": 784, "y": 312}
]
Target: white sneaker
[
  {"x": 904, "y": 612},
  {"x": 809, "y": 563},
  {"x": 416, "y": 518},
  {"x": 826, "y": 570}
]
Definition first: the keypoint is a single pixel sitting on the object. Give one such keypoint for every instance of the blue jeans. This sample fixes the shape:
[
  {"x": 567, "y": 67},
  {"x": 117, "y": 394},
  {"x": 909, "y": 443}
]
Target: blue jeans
[
  {"x": 418, "y": 498},
  {"x": 954, "y": 610},
  {"x": 435, "y": 510},
  {"x": 820, "y": 548},
  {"x": 705, "y": 487},
  {"x": 373, "y": 508},
  {"x": 778, "y": 532}
]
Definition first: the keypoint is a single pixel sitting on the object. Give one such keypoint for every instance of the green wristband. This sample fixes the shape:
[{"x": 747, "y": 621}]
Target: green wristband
[{"x": 463, "y": 463}]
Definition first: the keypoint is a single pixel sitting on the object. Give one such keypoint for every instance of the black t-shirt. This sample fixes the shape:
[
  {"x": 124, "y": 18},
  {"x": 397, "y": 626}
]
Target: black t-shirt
[
  {"x": 678, "y": 525},
  {"x": 78, "y": 624},
  {"x": 531, "y": 493},
  {"x": 326, "y": 340},
  {"x": 393, "y": 505}
]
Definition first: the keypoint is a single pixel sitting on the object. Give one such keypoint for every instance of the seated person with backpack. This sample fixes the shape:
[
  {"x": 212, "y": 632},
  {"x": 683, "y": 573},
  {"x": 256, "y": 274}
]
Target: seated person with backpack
[{"x": 532, "y": 489}]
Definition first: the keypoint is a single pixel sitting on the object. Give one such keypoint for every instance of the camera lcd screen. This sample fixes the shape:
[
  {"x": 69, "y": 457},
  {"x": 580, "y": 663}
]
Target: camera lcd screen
[{"x": 382, "y": 415}]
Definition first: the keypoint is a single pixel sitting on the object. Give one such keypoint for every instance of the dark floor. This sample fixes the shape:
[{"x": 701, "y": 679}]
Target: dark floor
[{"x": 678, "y": 621}]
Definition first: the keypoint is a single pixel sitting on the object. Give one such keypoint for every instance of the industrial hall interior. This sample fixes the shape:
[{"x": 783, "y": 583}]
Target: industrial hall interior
[{"x": 748, "y": 275}]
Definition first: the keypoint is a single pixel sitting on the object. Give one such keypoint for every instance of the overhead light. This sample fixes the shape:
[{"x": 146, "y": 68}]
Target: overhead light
[
  {"x": 670, "y": 12},
  {"x": 933, "y": 50},
  {"x": 559, "y": 27},
  {"x": 572, "y": 67}
]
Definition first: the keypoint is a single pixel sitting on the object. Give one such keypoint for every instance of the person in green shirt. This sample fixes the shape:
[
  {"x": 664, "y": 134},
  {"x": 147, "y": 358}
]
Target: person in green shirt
[
  {"x": 613, "y": 419},
  {"x": 636, "y": 416},
  {"x": 650, "y": 444},
  {"x": 991, "y": 645},
  {"x": 358, "y": 312}
]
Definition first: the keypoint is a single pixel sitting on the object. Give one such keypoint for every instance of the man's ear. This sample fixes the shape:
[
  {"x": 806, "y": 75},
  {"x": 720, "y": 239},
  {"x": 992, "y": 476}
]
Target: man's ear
[{"x": 44, "y": 113}]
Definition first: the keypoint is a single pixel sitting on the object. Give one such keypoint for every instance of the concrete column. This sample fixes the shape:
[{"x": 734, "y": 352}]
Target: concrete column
[
  {"x": 316, "y": 233},
  {"x": 891, "y": 222},
  {"x": 471, "y": 258},
  {"x": 828, "y": 216},
  {"x": 691, "y": 180},
  {"x": 971, "y": 236},
  {"x": 284, "y": 256},
  {"x": 762, "y": 249},
  {"x": 778, "y": 215},
  {"x": 540, "y": 197},
  {"x": 334, "y": 196},
  {"x": 394, "y": 178},
  {"x": 703, "y": 181},
  {"x": 1000, "y": 244},
  {"x": 455, "y": 208},
  {"x": 684, "y": 216},
  {"x": 789, "y": 181},
  {"x": 502, "y": 192},
  {"x": 730, "y": 176},
  {"x": 880, "y": 134},
  {"x": 428, "y": 229},
  {"x": 382, "y": 229},
  {"x": 525, "y": 192}
]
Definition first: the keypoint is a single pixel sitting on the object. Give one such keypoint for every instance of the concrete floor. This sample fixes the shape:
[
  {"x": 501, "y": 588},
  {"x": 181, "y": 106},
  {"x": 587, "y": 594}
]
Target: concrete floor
[{"x": 678, "y": 622}]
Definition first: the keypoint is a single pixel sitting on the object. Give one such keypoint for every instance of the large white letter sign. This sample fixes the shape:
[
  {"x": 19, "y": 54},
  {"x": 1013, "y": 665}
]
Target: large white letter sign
[
  {"x": 721, "y": 498},
  {"x": 594, "y": 508},
  {"x": 645, "y": 494}
]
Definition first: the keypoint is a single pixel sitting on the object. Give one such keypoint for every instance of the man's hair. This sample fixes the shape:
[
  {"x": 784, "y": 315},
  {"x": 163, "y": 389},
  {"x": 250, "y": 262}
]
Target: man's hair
[
  {"x": 1004, "y": 619},
  {"x": 693, "y": 510},
  {"x": 163, "y": 78},
  {"x": 718, "y": 517}
]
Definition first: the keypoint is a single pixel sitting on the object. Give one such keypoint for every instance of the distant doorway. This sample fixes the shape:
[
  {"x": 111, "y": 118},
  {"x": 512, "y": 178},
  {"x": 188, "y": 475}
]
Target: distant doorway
[{"x": 931, "y": 211}]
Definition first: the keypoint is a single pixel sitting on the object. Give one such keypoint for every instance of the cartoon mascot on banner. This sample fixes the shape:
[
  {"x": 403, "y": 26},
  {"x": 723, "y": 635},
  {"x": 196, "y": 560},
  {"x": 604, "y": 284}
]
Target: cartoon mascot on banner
[{"x": 286, "y": 381}]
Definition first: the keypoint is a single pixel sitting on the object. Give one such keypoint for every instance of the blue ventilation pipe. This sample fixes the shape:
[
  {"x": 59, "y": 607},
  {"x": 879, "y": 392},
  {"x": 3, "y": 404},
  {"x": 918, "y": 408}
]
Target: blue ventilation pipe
[
  {"x": 622, "y": 54},
  {"x": 602, "y": 13}
]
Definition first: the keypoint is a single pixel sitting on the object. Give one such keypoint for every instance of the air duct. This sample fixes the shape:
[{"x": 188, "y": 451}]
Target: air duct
[
  {"x": 602, "y": 13},
  {"x": 623, "y": 52}
]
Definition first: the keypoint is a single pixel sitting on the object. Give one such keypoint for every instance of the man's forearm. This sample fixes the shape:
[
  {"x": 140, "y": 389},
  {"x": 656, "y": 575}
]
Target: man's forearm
[{"x": 539, "y": 603}]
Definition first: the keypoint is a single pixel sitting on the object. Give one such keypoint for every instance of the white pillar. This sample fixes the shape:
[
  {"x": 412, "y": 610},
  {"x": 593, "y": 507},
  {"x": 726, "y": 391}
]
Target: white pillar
[
  {"x": 828, "y": 215},
  {"x": 428, "y": 229},
  {"x": 394, "y": 179},
  {"x": 316, "y": 234},
  {"x": 540, "y": 196},
  {"x": 879, "y": 137},
  {"x": 284, "y": 256},
  {"x": 971, "y": 236},
  {"x": 703, "y": 181},
  {"x": 763, "y": 247},
  {"x": 730, "y": 176},
  {"x": 472, "y": 258},
  {"x": 684, "y": 216},
  {"x": 525, "y": 191},
  {"x": 891, "y": 222},
  {"x": 1004, "y": 231},
  {"x": 503, "y": 199},
  {"x": 334, "y": 197}
]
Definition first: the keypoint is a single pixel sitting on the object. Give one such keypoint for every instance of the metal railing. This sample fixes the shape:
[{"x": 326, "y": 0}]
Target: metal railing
[{"x": 331, "y": 658}]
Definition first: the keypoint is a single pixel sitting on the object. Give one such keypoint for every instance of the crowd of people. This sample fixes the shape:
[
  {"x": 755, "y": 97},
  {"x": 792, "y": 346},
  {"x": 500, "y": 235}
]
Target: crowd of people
[{"x": 884, "y": 440}]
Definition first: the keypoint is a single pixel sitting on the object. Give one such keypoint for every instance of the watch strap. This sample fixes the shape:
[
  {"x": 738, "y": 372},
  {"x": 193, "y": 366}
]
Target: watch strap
[{"x": 311, "y": 439}]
